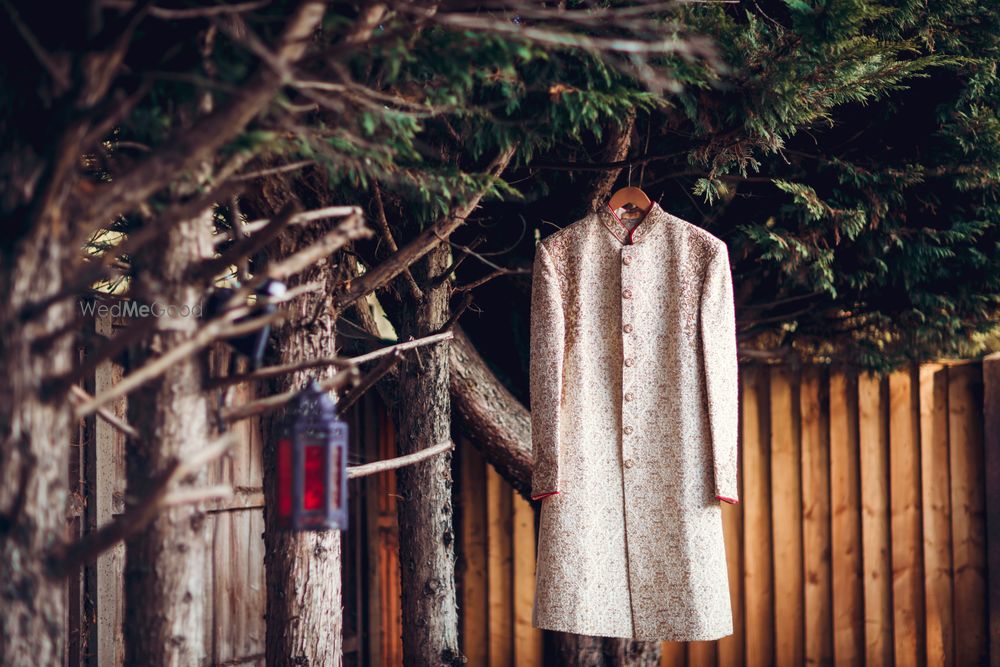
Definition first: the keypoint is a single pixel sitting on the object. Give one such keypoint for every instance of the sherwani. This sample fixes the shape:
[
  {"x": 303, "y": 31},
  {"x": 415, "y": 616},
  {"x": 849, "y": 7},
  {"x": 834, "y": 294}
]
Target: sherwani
[{"x": 634, "y": 414}]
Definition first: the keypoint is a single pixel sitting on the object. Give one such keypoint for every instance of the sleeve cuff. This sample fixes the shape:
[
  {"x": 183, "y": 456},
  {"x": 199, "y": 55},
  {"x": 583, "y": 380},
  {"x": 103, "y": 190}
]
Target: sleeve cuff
[
  {"x": 731, "y": 501},
  {"x": 543, "y": 495}
]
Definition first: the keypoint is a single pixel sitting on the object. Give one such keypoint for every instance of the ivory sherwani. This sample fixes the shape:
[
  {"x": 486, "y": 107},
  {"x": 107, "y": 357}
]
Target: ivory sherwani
[{"x": 634, "y": 410}]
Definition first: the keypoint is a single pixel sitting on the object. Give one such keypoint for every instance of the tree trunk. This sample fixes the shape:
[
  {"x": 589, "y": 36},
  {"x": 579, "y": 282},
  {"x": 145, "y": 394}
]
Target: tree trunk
[
  {"x": 426, "y": 528},
  {"x": 34, "y": 439},
  {"x": 165, "y": 563},
  {"x": 303, "y": 569}
]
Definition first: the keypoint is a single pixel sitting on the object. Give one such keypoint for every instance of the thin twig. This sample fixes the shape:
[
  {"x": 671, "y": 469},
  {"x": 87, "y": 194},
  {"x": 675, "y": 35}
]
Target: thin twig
[
  {"x": 354, "y": 472},
  {"x": 341, "y": 362},
  {"x": 67, "y": 558},
  {"x": 211, "y": 332},
  {"x": 369, "y": 380},
  {"x": 105, "y": 414},
  {"x": 265, "y": 405},
  {"x": 292, "y": 166},
  {"x": 420, "y": 245},
  {"x": 383, "y": 225}
]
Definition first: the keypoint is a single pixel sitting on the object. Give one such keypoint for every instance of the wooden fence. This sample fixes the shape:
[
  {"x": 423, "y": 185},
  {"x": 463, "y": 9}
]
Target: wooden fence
[{"x": 861, "y": 538}]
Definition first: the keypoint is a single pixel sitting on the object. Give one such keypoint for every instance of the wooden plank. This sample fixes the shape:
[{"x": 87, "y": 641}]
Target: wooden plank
[
  {"x": 472, "y": 558},
  {"x": 813, "y": 401},
  {"x": 872, "y": 430},
  {"x": 907, "y": 535},
  {"x": 104, "y": 578},
  {"x": 702, "y": 654},
  {"x": 757, "y": 572},
  {"x": 385, "y": 623},
  {"x": 786, "y": 518},
  {"x": 968, "y": 525},
  {"x": 731, "y": 648},
  {"x": 845, "y": 526},
  {"x": 935, "y": 492},
  {"x": 673, "y": 654},
  {"x": 528, "y": 649},
  {"x": 991, "y": 431},
  {"x": 499, "y": 569}
]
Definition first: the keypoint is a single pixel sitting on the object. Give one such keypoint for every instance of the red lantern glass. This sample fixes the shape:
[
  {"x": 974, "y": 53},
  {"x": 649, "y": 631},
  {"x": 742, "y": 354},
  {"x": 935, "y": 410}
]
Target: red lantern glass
[{"x": 312, "y": 464}]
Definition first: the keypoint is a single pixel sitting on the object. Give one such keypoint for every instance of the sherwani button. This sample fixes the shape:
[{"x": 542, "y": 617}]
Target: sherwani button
[
  {"x": 628, "y": 430},
  {"x": 629, "y": 463},
  {"x": 627, "y": 328},
  {"x": 630, "y": 361},
  {"x": 629, "y": 396},
  {"x": 627, "y": 294},
  {"x": 626, "y": 260}
]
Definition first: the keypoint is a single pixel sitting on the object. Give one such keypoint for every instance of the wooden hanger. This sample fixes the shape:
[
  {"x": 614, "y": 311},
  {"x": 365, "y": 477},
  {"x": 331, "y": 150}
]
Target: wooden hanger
[{"x": 630, "y": 195}]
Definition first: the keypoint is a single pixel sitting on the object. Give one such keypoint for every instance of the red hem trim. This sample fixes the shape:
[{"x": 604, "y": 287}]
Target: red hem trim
[
  {"x": 731, "y": 501},
  {"x": 544, "y": 495}
]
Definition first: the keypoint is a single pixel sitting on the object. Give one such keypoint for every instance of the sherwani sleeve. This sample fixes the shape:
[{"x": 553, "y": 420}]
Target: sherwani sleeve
[
  {"x": 718, "y": 336},
  {"x": 545, "y": 374}
]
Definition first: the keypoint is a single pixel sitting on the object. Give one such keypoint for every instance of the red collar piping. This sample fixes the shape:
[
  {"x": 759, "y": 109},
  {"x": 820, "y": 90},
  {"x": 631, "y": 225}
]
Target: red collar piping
[{"x": 630, "y": 234}]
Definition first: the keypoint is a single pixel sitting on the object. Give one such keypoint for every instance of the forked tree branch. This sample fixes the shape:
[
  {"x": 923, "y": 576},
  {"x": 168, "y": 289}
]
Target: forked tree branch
[{"x": 419, "y": 246}]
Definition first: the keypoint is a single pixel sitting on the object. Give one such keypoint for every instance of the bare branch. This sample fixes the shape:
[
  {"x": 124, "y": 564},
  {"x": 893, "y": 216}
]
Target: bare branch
[
  {"x": 67, "y": 558},
  {"x": 245, "y": 247},
  {"x": 341, "y": 362},
  {"x": 81, "y": 395},
  {"x": 270, "y": 171},
  {"x": 419, "y": 246},
  {"x": 272, "y": 403},
  {"x": 215, "y": 330},
  {"x": 354, "y": 472},
  {"x": 369, "y": 380},
  {"x": 383, "y": 227}
]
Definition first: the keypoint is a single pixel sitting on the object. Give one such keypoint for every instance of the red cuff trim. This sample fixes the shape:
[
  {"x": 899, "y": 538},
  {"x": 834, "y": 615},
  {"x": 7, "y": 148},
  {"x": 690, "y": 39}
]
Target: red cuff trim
[
  {"x": 731, "y": 501},
  {"x": 544, "y": 495}
]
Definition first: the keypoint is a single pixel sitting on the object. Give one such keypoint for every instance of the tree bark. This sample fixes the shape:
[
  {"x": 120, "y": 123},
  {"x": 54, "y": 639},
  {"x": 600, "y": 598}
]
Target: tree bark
[
  {"x": 303, "y": 569},
  {"x": 426, "y": 528},
  {"x": 165, "y": 563},
  {"x": 35, "y": 435}
]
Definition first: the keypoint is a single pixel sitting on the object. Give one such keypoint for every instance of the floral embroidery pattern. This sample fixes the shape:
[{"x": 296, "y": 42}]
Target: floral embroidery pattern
[{"x": 634, "y": 425}]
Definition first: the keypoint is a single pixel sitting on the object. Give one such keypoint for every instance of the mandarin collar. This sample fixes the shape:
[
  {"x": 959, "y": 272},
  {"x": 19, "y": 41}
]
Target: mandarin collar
[{"x": 656, "y": 215}]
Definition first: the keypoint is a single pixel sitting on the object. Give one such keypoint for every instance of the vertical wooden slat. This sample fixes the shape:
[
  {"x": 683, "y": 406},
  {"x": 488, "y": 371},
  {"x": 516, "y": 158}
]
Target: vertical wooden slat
[
  {"x": 935, "y": 475},
  {"x": 527, "y": 639},
  {"x": 105, "y": 577},
  {"x": 731, "y": 653},
  {"x": 875, "y": 521},
  {"x": 499, "y": 568},
  {"x": 991, "y": 443},
  {"x": 673, "y": 654},
  {"x": 475, "y": 617},
  {"x": 702, "y": 654},
  {"x": 904, "y": 485},
  {"x": 757, "y": 573},
  {"x": 968, "y": 526},
  {"x": 845, "y": 528},
  {"x": 813, "y": 398},
  {"x": 786, "y": 521},
  {"x": 386, "y": 549}
]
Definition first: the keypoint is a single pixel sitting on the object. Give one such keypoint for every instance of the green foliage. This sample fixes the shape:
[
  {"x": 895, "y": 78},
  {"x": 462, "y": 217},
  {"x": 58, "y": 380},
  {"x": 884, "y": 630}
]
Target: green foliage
[{"x": 848, "y": 151}]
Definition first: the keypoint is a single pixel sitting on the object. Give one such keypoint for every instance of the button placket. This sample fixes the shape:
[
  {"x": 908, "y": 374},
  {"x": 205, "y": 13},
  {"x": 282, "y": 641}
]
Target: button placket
[{"x": 628, "y": 351}]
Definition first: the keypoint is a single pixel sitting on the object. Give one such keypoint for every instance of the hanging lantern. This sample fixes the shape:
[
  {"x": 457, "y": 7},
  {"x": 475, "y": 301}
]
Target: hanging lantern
[{"x": 312, "y": 464}]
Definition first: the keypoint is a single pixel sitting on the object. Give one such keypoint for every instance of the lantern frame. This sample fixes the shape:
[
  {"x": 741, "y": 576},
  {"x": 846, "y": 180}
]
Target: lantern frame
[{"x": 307, "y": 498}]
